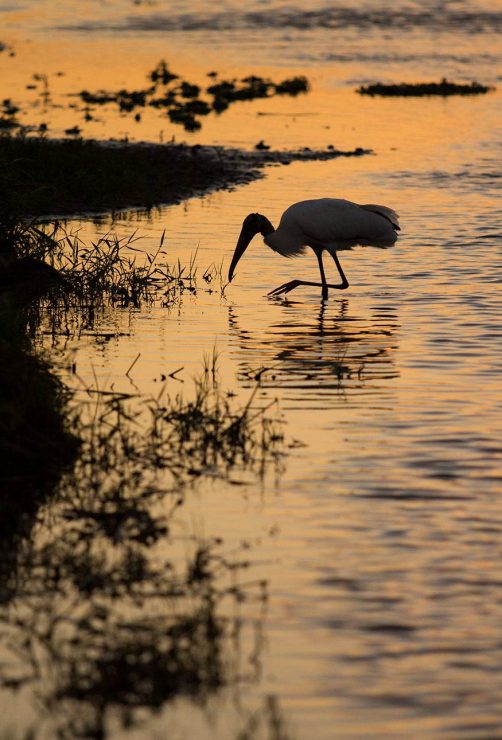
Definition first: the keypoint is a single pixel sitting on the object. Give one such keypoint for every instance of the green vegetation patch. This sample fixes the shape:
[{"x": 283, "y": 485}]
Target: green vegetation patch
[{"x": 423, "y": 89}]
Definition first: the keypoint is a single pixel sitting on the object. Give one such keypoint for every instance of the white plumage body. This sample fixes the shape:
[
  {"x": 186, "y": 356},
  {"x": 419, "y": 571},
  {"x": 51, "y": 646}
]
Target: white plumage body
[
  {"x": 332, "y": 224},
  {"x": 324, "y": 224}
]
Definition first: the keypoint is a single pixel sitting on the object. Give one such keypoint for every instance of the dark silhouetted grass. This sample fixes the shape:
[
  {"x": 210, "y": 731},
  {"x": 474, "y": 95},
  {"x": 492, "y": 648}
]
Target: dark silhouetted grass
[
  {"x": 101, "y": 621},
  {"x": 209, "y": 432},
  {"x": 49, "y": 275}
]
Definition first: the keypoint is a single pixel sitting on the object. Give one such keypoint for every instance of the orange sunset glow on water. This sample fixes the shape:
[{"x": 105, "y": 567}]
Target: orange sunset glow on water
[{"x": 303, "y": 539}]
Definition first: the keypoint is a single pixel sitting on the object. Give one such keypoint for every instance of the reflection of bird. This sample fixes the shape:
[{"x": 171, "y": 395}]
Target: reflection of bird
[
  {"x": 310, "y": 357},
  {"x": 330, "y": 224}
]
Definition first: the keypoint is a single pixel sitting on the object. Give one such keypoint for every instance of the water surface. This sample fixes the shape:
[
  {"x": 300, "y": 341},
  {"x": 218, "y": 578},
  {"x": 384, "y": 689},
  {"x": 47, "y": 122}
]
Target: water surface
[{"x": 381, "y": 541}]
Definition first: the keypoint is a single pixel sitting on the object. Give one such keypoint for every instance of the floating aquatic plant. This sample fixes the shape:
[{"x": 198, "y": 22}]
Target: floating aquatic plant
[
  {"x": 8, "y": 120},
  {"x": 174, "y": 92},
  {"x": 424, "y": 89}
]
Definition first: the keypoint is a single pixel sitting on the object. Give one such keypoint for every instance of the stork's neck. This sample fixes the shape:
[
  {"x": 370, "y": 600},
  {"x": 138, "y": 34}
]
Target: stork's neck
[{"x": 266, "y": 227}]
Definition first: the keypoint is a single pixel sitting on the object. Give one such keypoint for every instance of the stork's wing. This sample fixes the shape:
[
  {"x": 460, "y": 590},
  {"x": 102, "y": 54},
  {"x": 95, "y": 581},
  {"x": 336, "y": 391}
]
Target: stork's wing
[
  {"x": 331, "y": 221},
  {"x": 387, "y": 213}
]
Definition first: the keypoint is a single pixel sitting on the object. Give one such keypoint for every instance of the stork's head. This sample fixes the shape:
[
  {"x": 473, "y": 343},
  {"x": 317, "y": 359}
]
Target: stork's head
[{"x": 253, "y": 224}]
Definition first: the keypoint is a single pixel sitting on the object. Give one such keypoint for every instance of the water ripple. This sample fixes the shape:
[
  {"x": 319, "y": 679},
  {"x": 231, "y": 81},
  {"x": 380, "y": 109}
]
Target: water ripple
[{"x": 297, "y": 18}]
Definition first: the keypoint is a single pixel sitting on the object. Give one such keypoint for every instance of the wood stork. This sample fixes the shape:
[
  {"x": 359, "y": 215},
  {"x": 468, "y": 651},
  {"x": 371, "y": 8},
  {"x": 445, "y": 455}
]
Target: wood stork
[{"x": 330, "y": 224}]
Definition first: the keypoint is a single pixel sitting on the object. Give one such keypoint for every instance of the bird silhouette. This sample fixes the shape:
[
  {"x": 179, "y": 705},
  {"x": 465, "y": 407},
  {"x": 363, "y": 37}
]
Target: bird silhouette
[{"x": 323, "y": 224}]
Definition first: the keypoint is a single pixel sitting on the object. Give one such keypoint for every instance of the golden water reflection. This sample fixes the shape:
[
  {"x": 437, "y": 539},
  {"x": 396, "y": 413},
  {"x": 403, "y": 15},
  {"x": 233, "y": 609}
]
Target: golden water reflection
[
  {"x": 381, "y": 542},
  {"x": 312, "y": 357}
]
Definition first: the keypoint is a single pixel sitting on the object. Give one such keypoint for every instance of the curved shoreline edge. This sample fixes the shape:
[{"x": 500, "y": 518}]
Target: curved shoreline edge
[{"x": 42, "y": 178}]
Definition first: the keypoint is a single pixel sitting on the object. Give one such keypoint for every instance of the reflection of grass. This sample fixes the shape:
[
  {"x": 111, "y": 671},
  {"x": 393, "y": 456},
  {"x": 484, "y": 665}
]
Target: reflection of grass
[
  {"x": 188, "y": 438},
  {"x": 101, "y": 620},
  {"x": 423, "y": 89},
  {"x": 92, "y": 657},
  {"x": 210, "y": 431},
  {"x": 267, "y": 722}
]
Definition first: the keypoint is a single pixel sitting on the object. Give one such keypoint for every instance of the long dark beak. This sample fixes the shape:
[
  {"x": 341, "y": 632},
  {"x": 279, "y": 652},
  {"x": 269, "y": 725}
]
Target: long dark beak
[{"x": 242, "y": 244}]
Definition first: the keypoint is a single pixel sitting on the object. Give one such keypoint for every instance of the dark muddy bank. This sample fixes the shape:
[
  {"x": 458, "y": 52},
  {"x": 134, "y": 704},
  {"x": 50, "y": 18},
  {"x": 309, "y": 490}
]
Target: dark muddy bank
[{"x": 41, "y": 177}]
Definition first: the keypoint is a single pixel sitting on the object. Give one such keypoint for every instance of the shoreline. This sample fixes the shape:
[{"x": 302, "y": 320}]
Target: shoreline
[{"x": 62, "y": 178}]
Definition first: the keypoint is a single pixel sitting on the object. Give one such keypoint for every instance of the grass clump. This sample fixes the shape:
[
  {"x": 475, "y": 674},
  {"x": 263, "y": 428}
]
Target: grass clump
[
  {"x": 113, "y": 271},
  {"x": 424, "y": 89},
  {"x": 210, "y": 432},
  {"x": 68, "y": 286}
]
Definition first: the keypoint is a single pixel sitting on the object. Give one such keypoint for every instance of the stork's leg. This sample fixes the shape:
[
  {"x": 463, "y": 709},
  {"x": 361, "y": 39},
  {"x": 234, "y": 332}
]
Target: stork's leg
[
  {"x": 345, "y": 282},
  {"x": 287, "y": 287},
  {"x": 323, "y": 276}
]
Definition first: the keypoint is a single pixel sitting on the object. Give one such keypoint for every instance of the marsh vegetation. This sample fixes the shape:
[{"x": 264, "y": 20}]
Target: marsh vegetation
[
  {"x": 100, "y": 620},
  {"x": 60, "y": 177},
  {"x": 184, "y": 103},
  {"x": 182, "y": 100}
]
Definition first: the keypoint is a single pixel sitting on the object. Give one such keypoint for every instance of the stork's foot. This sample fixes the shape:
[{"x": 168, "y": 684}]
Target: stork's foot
[{"x": 286, "y": 287}]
